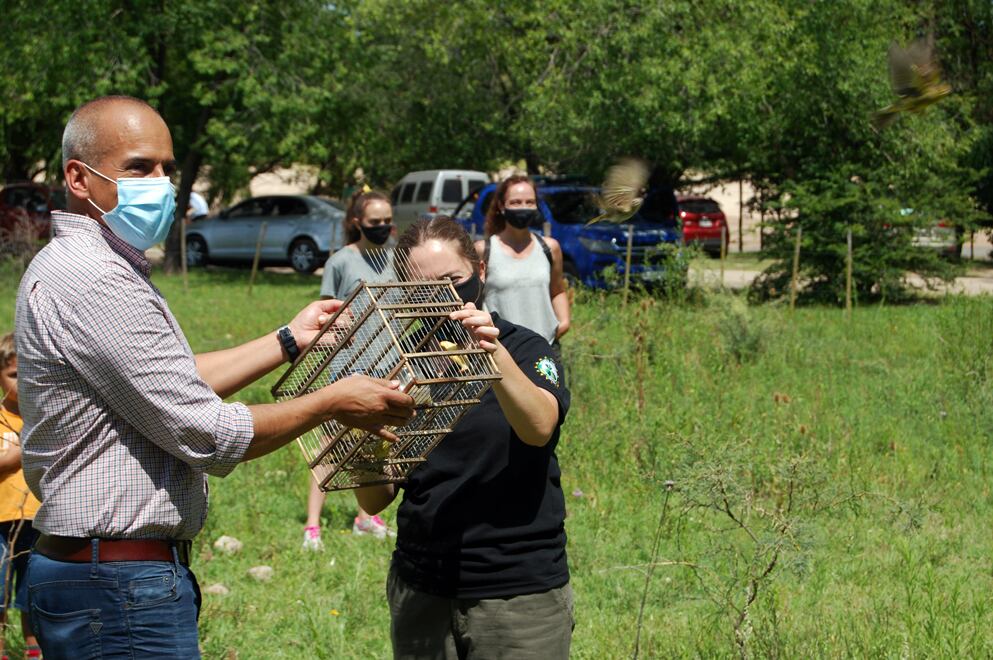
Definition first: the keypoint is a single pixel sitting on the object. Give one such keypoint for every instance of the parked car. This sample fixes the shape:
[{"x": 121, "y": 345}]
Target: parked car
[
  {"x": 589, "y": 250},
  {"x": 703, "y": 223},
  {"x": 30, "y": 204},
  {"x": 431, "y": 192},
  {"x": 940, "y": 236},
  {"x": 301, "y": 231}
]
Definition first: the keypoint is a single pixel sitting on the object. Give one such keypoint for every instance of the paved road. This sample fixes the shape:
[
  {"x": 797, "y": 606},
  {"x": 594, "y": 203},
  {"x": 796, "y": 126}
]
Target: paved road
[{"x": 979, "y": 282}]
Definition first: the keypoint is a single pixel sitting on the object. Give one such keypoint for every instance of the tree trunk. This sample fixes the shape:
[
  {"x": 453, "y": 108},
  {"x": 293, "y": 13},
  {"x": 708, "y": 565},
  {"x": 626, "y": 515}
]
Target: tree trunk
[
  {"x": 189, "y": 172},
  {"x": 191, "y": 168}
]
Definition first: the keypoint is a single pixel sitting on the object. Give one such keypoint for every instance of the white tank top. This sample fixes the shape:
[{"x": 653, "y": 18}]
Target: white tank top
[{"x": 518, "y": 289}]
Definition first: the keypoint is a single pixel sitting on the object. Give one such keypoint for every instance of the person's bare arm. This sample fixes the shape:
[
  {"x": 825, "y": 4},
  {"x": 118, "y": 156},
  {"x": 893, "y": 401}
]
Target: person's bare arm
[
  {"x": 10, "y": 459},
  {"x": 229, "y": 370},
  {"x": 533, "y": 412},
  {"x": 558, "y": 289},
  {"x": 356, "y": 401}
]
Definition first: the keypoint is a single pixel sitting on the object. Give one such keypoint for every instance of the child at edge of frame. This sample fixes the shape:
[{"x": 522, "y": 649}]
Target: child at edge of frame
[{"x": 17, "y": 505}]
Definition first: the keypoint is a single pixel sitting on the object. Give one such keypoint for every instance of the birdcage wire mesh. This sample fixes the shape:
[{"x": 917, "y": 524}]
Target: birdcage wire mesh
[{"x": 397, "y": 329}]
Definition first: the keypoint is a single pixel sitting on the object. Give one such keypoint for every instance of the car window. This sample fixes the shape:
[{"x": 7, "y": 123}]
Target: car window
[
  {"x": 700, "y": 206},
  {"x": 291, "y": 206},
  {"x": 333, "y": 204},
  {"x": 451, "y": 191},
  {"x": 572, "y": 207},
  {"x": 475, "y": 184},
  {"x": 424, "y": 191},
  {"x": 251, "y": 208},
  {"x": 394, "y": 195},
  {"x": 407, "y": 194}
]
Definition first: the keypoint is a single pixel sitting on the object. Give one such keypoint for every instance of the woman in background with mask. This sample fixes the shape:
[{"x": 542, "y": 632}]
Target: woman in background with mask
[
  {"x": 368, "y": 227},
  {"x": 524, "y": 282}
]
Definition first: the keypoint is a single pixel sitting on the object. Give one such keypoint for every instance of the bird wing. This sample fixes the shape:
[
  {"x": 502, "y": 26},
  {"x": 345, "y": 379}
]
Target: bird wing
[
  {"x": 623, "y": 185},
  {"x": 902, "y": 77}
]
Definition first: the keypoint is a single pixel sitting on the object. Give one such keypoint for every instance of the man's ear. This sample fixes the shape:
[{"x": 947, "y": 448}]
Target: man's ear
[{"x": 76, "y": 180}]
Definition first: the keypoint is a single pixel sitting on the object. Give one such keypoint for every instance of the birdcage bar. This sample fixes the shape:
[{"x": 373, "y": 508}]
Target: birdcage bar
[
  {"x": 458, "y": 379},
  {"x": 443, "y": 353},
  {"x": 407, "y": 284},
  {"x": 341, "y": 433},
  {"x": 424, "y": 315},
  {"x": 350, "y": 452},
  {"x": 419, "y": 434},
  {"x": 446, "y": 404},
  {"x": 425, "y": 305}
]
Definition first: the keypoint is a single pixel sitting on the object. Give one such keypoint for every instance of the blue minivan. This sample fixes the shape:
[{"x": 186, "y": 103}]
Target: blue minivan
[{"x": 590, "y": 250}]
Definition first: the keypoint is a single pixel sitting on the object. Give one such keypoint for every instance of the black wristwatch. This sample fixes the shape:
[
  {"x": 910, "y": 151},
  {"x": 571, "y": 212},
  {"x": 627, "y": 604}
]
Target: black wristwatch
[{"x": 289, "y": 343}]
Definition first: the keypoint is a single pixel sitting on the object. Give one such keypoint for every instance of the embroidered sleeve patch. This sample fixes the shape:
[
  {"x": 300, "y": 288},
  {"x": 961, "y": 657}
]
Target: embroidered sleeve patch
[{"x": 546, "y": 367}]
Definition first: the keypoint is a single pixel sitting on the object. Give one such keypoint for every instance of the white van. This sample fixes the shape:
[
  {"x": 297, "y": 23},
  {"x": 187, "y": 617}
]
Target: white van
[{"x": 432, "y": 192}]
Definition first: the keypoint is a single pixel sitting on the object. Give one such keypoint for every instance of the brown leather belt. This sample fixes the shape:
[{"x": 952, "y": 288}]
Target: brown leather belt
[{"x": 66, "y": 548}]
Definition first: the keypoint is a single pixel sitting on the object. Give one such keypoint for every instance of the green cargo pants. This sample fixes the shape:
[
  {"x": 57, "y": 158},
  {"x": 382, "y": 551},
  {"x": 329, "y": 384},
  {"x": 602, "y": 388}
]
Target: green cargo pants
[{"x": 424, "y": 626}]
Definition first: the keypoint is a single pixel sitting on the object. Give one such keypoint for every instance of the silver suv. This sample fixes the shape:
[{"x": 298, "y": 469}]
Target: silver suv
[{"x": 301, "y": 231}]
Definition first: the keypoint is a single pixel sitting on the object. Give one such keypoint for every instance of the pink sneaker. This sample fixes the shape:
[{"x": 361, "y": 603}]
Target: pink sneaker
[
  {"x": 312, "y": 539},
  {"x": 373, "y": 526}
]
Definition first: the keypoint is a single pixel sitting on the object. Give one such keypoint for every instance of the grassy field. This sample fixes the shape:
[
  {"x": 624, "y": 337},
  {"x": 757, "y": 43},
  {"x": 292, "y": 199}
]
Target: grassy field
[{"x": 823, "y": 485}]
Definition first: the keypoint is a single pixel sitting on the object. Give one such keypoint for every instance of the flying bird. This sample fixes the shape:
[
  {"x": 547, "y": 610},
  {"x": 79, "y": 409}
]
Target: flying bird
[
  {"x": 916, "y": 80},
  {"x": 623, "y": 190}
]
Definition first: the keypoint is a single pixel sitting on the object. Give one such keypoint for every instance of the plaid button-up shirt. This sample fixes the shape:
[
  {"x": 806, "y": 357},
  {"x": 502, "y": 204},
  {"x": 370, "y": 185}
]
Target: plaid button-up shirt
[{"x": 119, "y": 431}]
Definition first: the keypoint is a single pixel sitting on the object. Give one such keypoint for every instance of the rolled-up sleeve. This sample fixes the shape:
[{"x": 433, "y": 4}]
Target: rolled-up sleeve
[{"x": 129, "y": 349}]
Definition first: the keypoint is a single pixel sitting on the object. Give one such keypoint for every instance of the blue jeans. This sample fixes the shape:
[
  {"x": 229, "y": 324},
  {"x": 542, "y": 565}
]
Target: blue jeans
[{"x": 135, "y": 609}]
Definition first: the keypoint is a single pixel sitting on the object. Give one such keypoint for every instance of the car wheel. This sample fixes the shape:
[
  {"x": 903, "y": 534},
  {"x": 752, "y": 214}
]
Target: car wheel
[
  {"x": 196, "y": 252},
  {"x": 304, "y": 256}
]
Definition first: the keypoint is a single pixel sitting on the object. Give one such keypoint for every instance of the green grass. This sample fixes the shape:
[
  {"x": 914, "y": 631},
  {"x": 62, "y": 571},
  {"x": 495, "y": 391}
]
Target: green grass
[{"x": 855, "y": 453}]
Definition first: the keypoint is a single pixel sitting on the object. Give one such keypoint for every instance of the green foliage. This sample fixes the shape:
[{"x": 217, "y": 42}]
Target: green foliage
[
  {"x": 883, "y": 248},
  {"x": 775, "y": 92},
  {"x": 743, "y": 336}
]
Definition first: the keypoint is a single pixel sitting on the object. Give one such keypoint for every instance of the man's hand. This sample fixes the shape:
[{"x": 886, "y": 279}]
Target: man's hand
[
  {"x": 369, "y": 404},
  {"x": 308, "y": 322}
]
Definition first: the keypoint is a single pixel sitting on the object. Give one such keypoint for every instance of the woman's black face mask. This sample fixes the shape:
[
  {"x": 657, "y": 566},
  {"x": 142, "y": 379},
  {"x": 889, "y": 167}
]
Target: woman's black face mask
[
  {"x": 377, "y": 235},
  {"x": 470, "y": 291},
  {"x": 521, "y": 218}
]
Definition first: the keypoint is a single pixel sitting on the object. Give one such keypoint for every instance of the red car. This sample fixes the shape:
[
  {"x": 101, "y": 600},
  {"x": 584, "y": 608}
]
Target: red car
[
  {"x": 29, "y": 206},
  {"x": 703, "y": 221}
]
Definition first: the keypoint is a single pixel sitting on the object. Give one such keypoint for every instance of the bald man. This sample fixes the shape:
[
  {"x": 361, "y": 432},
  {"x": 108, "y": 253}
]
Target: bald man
[{"x": 122, "y": 422}]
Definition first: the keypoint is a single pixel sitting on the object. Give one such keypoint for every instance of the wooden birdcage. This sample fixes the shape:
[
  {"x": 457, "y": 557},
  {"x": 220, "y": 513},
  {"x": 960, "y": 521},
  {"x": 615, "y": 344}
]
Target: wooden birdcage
[{"x": 397, "y": 330}]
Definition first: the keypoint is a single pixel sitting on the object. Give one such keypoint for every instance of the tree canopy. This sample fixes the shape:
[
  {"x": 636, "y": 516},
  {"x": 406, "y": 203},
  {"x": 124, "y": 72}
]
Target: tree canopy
[{"x": 778, "y": 92}]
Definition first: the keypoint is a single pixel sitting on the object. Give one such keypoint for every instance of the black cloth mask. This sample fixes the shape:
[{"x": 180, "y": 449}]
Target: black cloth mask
[
  {"x": 377, "y": 235},
  {"x": 470, "y": 291},
  {"x": 522, "y": 218}
]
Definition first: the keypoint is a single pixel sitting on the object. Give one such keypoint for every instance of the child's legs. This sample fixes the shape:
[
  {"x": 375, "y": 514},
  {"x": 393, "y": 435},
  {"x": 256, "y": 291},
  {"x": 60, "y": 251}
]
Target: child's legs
[
  {"x": 16, "y": 539},
  {"x": 315, "y": 502}
]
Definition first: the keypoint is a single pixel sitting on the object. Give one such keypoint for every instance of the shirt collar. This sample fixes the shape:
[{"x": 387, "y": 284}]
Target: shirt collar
[{"x": 70, "y": 224}]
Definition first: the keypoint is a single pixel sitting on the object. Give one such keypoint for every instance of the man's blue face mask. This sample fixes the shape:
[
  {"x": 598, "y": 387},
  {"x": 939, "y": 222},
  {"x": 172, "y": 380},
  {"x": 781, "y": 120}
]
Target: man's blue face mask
[{"x": 146, "y": 207}]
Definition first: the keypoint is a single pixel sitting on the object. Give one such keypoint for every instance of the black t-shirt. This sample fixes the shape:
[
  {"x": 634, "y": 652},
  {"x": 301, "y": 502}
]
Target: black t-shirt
[{"x": 484, "y": 516}]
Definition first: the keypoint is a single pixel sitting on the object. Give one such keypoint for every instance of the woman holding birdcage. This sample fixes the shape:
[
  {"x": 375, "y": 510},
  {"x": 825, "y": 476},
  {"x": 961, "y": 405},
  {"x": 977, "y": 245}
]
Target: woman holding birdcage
[
  {"x": 480, "y": 565},
  {"x": 366, "y": 257}
]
